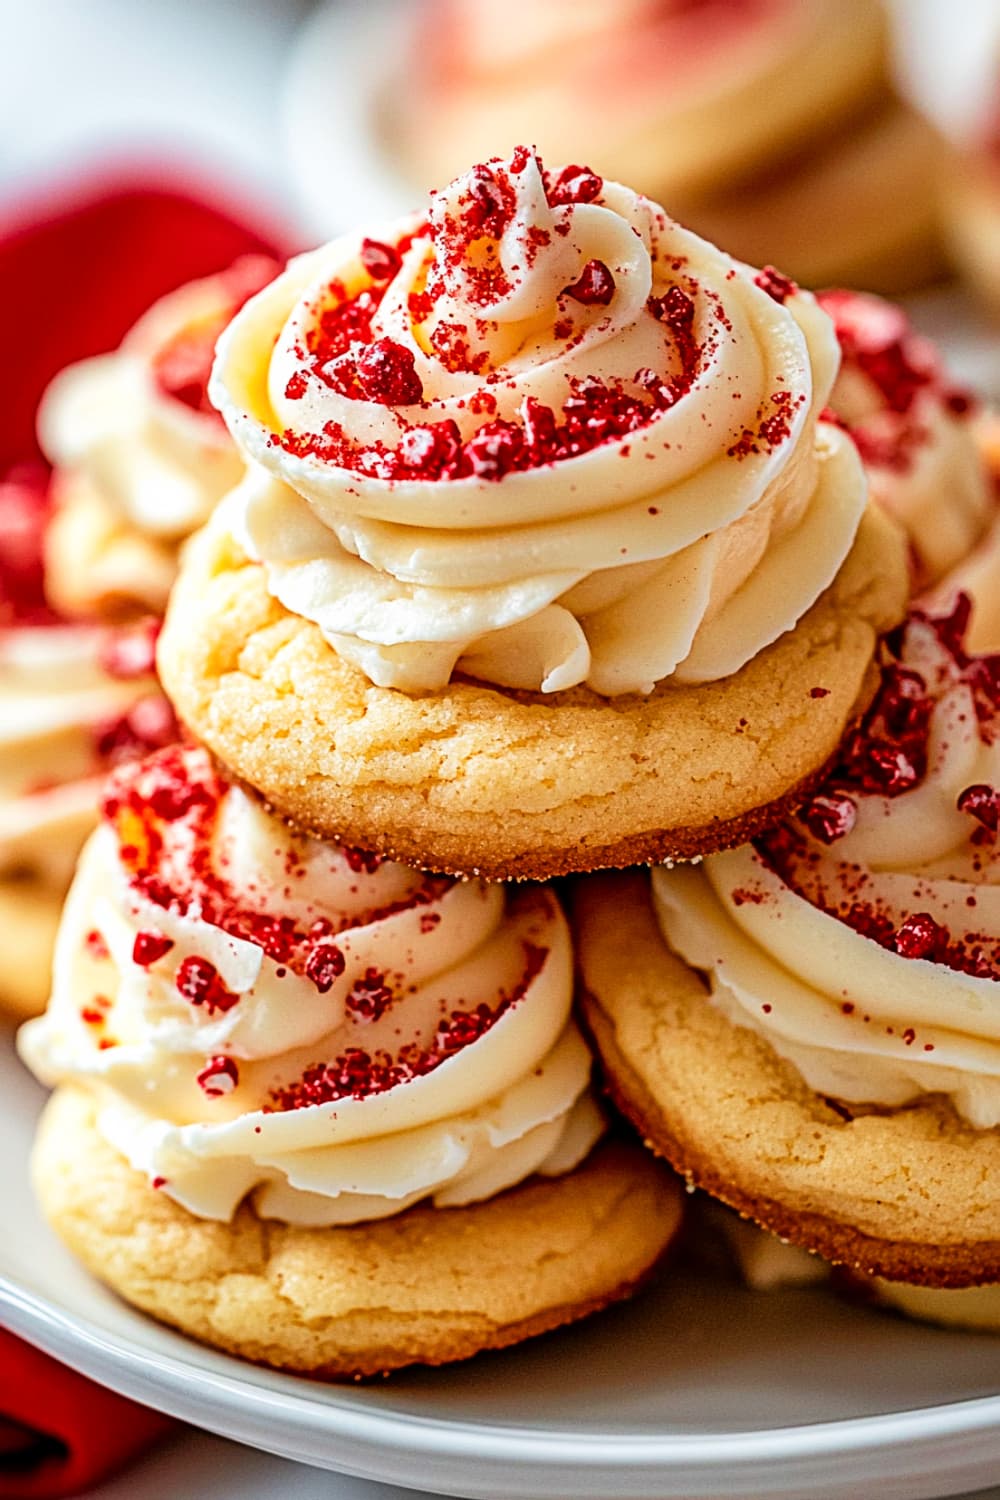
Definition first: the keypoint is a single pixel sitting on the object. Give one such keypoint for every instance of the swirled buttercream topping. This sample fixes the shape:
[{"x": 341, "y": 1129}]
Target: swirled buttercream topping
[
  {"x": 137, "y": 424},
  {"x": 915, "y": 429},
  {"x": 336, "y": 1034},
  {"x": 74, "y": 701},
  {"x": 544, "y": 436},
  {"x": 863, "y": 939}
]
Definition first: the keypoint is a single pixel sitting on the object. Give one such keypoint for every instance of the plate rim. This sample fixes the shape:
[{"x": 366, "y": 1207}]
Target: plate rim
[{"x": 32, "y": 1316}]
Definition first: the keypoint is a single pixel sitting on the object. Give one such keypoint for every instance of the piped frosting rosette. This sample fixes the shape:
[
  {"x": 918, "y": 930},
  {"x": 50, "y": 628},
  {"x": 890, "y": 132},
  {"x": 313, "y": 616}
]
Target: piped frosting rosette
[
  {"x": 336, "y": 1034},
  {"x": 863, "y": 940},
  {"x": 916, "y": 430},
  {"x": 544, "y": 436}
]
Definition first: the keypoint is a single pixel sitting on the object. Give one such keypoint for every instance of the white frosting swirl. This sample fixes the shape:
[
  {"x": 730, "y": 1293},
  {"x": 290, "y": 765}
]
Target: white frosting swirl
[
  {"x": 782, "y": 930},
  {"x": 546, "y": 552},
  {"x": 60, "y": 706},
  {"x": 915, "y": 429},
  {"x": 435, "y": 1057},
  {"x": 135, "y": 425}
]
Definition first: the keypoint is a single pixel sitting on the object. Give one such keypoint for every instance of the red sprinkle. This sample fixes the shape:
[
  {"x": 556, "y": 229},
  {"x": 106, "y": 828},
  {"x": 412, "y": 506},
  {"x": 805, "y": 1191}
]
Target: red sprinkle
[
  {"x": 919, "y": 936},
  {"x": 362, "y": 861},
  {"x": 95, "y": 945},
  {"x": 982, "y": 803},
  {"x": 219, "y": 1076},
  {"x": 370, "y": 996},
  {"x": 494, "y": 451},
  {"x": 829, "y": 816},
  {"x": 381, "y": 261},
  {"x": 387, "y": 373},
  {"x": 149, "y": 947},
  {"x": 573, "y": 185},
  {"x": 492, "y": 207},
  {"x": 596, "y": 285},
  {"x": 775, "y": 284},
  {"x": 324, "y": 965},
  {"x": 198, "y": 981}
]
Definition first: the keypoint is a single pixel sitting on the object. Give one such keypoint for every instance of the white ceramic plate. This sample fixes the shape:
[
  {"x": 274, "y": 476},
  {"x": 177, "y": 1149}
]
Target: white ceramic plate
[{"x": 697, "y": 1389}]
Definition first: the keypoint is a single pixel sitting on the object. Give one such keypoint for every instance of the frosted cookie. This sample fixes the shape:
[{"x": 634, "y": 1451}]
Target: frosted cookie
[
  {"x": 140, "y": 455},
  {"x": 75, "y": 700},
  {"x": 923, "y": 438},
  {"x": 540, "y": 511},
  {"x": 322, "y": 1110},
  {"x": 648, "y": 92},
  {"x": 807, "y": 1026}
]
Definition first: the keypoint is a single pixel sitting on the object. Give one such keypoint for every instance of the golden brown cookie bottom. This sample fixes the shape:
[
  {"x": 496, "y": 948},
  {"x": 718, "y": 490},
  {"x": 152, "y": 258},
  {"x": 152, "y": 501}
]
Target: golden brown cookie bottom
[
  {"x": 909, "y": 1194},
  {"x": 427, "y": 1286},
  {"x": 29, "y": 917},
  {"x": 477, "y": 780}
]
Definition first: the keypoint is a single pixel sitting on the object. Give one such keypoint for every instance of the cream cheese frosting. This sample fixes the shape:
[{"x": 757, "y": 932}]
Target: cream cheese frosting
[
  {"x": 916, "y": 430},
  {"x": 863, "y": 940},
  {"x": 337, "y": 1035},
  {"x": 544, "y": 437},
  {"x": 135, "y": 424}
]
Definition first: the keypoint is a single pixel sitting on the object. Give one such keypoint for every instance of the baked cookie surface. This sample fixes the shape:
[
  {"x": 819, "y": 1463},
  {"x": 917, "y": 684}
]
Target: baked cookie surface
[
  {"x": 427, "y": 1286},
  {"x": 911, "y": 1194},
  {"x": 473, "y": 779}
]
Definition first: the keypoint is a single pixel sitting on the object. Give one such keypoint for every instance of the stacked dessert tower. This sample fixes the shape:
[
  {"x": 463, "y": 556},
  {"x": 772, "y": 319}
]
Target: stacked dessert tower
[
  {"x": 550, "y": 556},
  {"x": 139, "y": 460}
]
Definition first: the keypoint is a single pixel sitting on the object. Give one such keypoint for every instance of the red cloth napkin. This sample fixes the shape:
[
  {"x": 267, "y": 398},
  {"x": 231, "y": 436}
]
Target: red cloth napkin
[
  {"x": 79, "y": 265},
  {"x": 59, "y": 1433},
  {"x": 77, "y": 268}
]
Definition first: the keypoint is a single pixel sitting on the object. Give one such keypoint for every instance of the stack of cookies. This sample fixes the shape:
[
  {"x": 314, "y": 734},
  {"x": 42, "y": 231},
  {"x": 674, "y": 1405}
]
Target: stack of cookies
[{"x": 551, "y": 556}]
